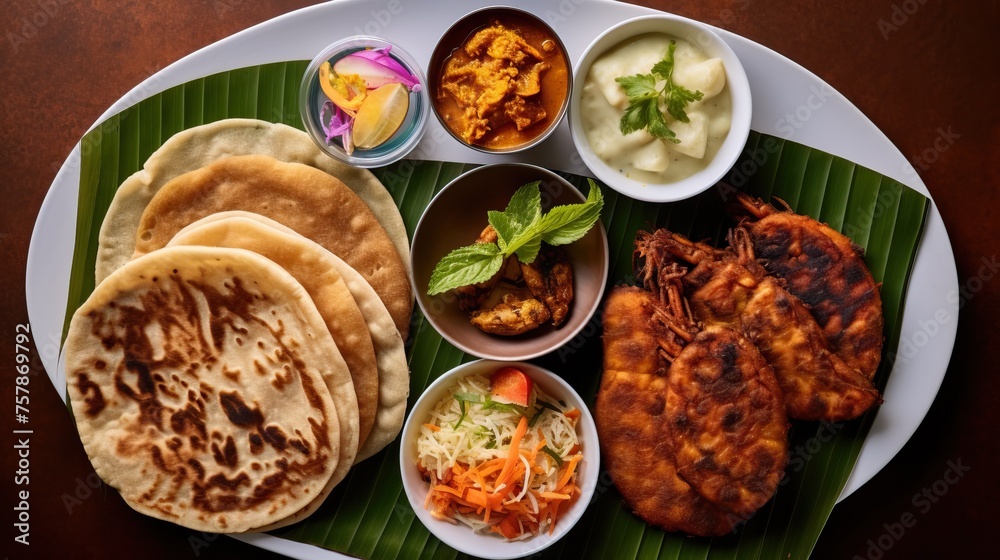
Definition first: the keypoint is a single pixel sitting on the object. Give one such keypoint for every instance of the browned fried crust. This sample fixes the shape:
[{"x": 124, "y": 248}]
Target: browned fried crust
[
  {"x": 513, "y": 315},
  {"x": 550, "y": 279},
  {"x": 824, "y": 269},
  {"x": 732, "y": 290},
  {"x": 817, "y": 384},
  {"x": 727, "y": 422},
  {"x": 630, "y": 417}
]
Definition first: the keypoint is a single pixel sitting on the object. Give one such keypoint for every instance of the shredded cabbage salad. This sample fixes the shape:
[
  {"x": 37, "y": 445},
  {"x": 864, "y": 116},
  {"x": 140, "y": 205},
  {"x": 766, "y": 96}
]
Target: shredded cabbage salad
[{"x": 498, "y": 467}]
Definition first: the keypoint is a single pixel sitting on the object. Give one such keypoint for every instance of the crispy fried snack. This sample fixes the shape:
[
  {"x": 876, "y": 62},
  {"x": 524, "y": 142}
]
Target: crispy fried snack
[
  {"x": 824, "y": 269},
  {"x": 550, "y": 279},
  {"x": 692, "y": 424},
  {"x": 729, "y": 288},
  {"x": 531, "y": 295},
  {"x": 513, "y": 315},
  {"x": 728, "y": 425},
  {"x": 629, "y": 411}
]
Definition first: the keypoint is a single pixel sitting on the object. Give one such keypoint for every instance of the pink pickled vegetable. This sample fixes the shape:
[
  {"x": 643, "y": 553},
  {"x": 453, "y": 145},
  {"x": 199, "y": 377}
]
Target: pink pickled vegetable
[
  {"x": 340, "y": 123},
  {"x": 381, "y": 56},
  {"x": 376, "y": 68}
]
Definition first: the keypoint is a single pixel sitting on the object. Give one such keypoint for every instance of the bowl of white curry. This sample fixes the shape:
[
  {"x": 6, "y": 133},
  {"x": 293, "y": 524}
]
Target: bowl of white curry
[{"x": 660, "y": 108}]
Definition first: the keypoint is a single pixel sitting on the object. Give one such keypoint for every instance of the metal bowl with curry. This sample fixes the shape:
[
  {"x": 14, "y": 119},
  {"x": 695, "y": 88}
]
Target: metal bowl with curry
[{"x": 500, "y": 80}]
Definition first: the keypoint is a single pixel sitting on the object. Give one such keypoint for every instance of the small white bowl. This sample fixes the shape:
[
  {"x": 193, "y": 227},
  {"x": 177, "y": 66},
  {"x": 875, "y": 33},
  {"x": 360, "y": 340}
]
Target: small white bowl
[
  {"x": 701, "y": 36},
  {"x": 461, "y": 537}
]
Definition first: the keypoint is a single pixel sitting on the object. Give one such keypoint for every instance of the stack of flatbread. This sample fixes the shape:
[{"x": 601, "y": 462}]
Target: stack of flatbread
[{"x": 244, "y": 346}]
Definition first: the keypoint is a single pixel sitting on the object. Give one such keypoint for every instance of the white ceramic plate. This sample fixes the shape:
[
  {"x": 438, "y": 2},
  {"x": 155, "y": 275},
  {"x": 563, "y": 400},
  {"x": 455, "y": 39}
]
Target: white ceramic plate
[{"x": 789, "y": 102}]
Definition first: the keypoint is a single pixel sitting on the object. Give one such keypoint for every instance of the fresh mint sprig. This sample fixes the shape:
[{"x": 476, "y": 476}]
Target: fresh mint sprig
[
  {"x": 643, "y": 111},
  {"x": 521, "y": 228}
]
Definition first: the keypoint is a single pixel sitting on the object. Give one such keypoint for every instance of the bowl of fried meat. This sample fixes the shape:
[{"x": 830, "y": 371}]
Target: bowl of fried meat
[{"x": 524, "y": 309}]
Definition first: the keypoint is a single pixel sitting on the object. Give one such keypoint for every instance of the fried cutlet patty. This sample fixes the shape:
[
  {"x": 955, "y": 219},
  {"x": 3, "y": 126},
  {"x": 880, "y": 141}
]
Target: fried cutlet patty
[
  {"x": 694, "y": 446},
  {"x": 727, "y": 287},
  {"x": 726, "y": 421},
  {"x": 825, "y": 269},
  {"x": 629, "y": 414}
]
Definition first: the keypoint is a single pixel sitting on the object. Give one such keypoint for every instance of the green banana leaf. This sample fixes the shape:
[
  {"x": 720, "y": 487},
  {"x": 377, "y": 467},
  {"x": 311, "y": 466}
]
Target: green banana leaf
[{"x": 368, "y": 515}]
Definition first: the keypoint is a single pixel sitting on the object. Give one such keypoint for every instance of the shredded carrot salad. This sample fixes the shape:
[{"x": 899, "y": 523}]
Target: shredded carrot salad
[{"x": 496, "y": 467}]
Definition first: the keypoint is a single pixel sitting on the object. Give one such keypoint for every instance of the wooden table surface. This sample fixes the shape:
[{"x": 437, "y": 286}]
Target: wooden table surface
[{"x": 921, "y": 70}]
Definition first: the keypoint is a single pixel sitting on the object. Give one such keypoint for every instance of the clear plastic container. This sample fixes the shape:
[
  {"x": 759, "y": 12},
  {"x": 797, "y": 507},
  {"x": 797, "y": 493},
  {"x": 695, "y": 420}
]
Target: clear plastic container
[{"x": 312, "y": 99}]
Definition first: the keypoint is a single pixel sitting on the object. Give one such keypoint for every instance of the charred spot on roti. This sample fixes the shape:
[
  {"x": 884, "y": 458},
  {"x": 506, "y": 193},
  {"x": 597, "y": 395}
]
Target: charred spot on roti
[
  {"x": 157, "y": 457},
  {"x": 188, "y": 426},
  {"x": 256, "y": 443},
  {"x": 167, "y": 390},
  {"x": 280, "y": 379},
  {"x": 92, "y": 394},
  {"x": 300, "y": 445},
  {"x": 276, "y": 437},
  {"x": 259, "y": 368},
  {"x": 190, "y": 420},
  {"x": 150, "y": 409},
  {"x": 238, "y": 412},
  {"x": 226, "y": 455},
  {"x": 198, "y": 469}
]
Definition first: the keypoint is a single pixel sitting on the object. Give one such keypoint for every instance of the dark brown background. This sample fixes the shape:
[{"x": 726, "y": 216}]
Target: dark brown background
[{"x": 937, "y": 70}]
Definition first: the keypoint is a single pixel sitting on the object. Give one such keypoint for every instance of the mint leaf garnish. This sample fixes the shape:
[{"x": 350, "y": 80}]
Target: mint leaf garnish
[
  {"x": 568, "y": 223},
  {"x": 526, "y": 205},
  {"x": 523, "y": 210},
  {"x": 506, "y": 228},
  {"x": 521, "y": 228},
  {"x": 464, "y": 266}
]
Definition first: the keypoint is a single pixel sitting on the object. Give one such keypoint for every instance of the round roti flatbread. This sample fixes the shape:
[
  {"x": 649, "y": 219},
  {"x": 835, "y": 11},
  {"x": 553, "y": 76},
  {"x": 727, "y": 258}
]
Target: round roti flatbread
[
  {"x": 303, "y": 198},
  {"x": 197, "y": 147},
  {"x": 311, "y": 265},
  {"x": 199, "y": 382},
  {"x": 390, "y": 351}
]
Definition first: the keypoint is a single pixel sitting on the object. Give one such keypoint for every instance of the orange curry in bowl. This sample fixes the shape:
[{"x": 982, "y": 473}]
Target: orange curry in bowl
[{"x": 503, "y": 83}]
